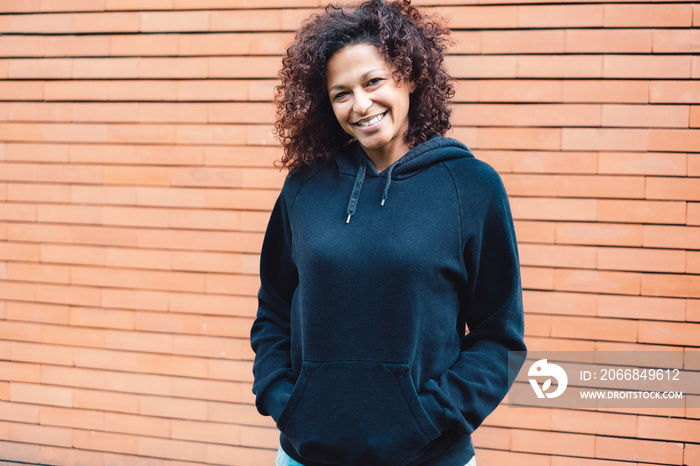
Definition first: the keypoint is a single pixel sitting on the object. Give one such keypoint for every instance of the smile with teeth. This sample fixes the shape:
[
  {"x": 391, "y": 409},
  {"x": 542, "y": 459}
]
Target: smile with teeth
[{"x": 371, "y": 121}]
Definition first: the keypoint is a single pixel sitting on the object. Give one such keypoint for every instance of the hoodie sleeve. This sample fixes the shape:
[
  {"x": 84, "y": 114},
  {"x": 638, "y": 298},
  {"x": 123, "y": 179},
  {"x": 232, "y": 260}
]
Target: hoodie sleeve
[
  {"x": 270, "y": 334},
  {"x": 490, "y": 305}
]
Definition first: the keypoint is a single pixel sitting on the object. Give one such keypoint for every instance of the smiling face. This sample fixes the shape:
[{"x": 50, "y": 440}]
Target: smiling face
[{"x": 368, "y": 102}]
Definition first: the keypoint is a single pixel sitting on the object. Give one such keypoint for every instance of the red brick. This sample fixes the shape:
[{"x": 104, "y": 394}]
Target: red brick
[
  {"x": 69, "y": 336},
  {"x": 35, "y": 312},
  {"x": 107, "y": 401},
  {"x": 137, "y": 425},
  {"x": 558, "y": 303},
  {"x": 641, "y": 211},
  {"x": 693, "y": 165},
  {"x": 693, "y": 216},
  {"x": 594, "y": 328},
  {"x": 530, "y": 185},
  {"x": 641, "y": 307},
  {"x": 642, "y": 163},
  {"x": 106, "y": 68},
  {"x": 538, "y": 325},
  {"x": 658, "y": 15},
  {"x": 41, "y": 394},
  {"x": 590, "y": 422},
  {"x": 674, "y": 92},
  {"x": 600, "y": 186},
  {"x": 19, "y": 331},
  {"x": 595, "y": 281},
  {"x": 139, "y": 341},
  {"x": 652, "y": 67},
  {"x": 560, "y": 66},
  {"x": 677, "y": 140},
  {"x": 599, "y": 234},
  {"x": 105, "y": 441},
  {"x": 123, "y": 22},
  {"x": 537, "y": 278},
  {"x": 227, "y": 43},
  {"x": 25, "y": 90},
  {"x": 534, "y": 231},
  {"x": 173, "y": 365},
  {"x": 103, "y": 359},
  {"x": 670, "y": 116},
  {"x": 678, "y": 237},
  {"x": 557, "y": 256},
  {"x": 221, "y": 454},
  {"x": 38, "y": 353},
  {"x": 519, "y": 138},
  {"x": 28, "y": 433},
  {"x": 680, "y": 286},
  {"x": 135, "y": 217},
  {"x": 144, "y": 44},
  {"x": 40, "y": 23},
  {"x": 608, "y": 41},
  {"x": 164, "y": 407},
  {"x": 692, "y": 262},
  {"x": 676, "y": 41},
  {"x": 553, "y": 209},
  {"x": 518, "y": 91},
  {"x": 551, "y": 442},
  {"x": 606, "y": 91},
  {"x": 695, "y": 116},
  {"x": 659, "y": 428},
  {"x": 673, "y": 188},
  {"x": 56, "y": 455},
  {"x": 605, "y": 139},
  {"x": 19, "y": 412},
  {"x": 526, "y": 115},
  {"x": 142, "y": 259},
  {"x": 211, "y": 347},
  {"x": 520, "y": 41},
  {"x": 193, "y": 324},
  {"x": 530, "y": 16},
  {"x": 37, "y": 152},
  {"x": 691, "y": 455},
  {"x": 170, "y": 21},
  {"x": 101, "y": 318},
  {"x": 165, "y": 448},
  {"x": 638, "y": 450},
  {"x": 642, "y": 260}
]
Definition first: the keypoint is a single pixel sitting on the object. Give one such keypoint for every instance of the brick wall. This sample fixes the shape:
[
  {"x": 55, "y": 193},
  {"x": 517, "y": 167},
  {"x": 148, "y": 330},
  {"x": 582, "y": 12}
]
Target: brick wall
[{"x": 136, "y": 181}]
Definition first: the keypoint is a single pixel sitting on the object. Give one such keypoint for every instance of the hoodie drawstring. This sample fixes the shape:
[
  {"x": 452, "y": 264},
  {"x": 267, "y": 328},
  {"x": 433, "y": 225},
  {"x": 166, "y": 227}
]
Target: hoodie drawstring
[
  {"x": 357, "y": 187},
  {"x": 388, "y": 182}
]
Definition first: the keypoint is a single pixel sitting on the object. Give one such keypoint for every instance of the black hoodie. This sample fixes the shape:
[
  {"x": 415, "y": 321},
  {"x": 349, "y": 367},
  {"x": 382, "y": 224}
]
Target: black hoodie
[{"x": 368, "y": 281}]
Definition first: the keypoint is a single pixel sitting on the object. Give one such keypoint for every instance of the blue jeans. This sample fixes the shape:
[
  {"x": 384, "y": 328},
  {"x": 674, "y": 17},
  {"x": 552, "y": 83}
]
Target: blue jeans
[{"x": 284, "y": 459}]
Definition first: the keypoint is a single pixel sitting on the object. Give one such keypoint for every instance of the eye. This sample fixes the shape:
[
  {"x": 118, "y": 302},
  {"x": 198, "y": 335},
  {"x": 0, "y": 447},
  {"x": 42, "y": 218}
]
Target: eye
[
  {"x": 339, "y": 96},
  {"x": 374, "y": 81}
]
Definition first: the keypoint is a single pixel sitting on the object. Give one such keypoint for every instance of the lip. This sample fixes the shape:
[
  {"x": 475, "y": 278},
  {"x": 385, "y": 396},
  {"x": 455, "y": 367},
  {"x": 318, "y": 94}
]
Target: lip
[{"x": 375, "y": 125}]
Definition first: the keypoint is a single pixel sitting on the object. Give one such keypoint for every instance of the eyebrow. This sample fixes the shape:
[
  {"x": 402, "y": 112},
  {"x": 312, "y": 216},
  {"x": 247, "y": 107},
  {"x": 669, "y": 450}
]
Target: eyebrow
[{"x": 363, "y": 77}]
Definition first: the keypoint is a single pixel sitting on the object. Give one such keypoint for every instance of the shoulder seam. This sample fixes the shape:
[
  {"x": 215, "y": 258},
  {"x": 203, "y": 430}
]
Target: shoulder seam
[{"x": 461, "y": 226}]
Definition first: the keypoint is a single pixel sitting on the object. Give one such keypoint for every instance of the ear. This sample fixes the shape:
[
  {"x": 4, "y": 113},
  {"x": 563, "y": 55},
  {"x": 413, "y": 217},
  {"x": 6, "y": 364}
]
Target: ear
[{"x": 412, "y": 86}]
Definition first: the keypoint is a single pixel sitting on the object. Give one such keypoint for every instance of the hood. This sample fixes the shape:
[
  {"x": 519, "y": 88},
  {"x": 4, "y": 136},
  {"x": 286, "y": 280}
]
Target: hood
[{"x": 354, "y": 161}]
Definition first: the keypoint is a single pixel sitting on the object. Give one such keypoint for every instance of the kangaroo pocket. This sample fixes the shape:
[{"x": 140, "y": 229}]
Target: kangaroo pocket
[{"x": 356, "y": 413}]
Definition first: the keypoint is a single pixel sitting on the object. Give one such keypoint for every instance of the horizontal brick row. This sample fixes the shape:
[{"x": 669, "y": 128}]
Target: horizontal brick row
[
  {"x": 533, "y": 41},
  {"x": 474, "y": 90},
  {"x": 460, "y": 66},
  {"x": 153, "y": 335},
  {"x": 567, "y": 139},
  {"x": 142, "y": 154},
  {"x": 288, "y": 19},
  {"x": 526, "y": 114}
]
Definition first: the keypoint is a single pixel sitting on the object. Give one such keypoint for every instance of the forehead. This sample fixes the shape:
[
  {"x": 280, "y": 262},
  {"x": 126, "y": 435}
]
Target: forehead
[{"x": 353, "y": 61}]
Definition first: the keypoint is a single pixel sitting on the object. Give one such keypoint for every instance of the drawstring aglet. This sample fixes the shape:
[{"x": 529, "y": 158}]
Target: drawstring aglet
[
  {"x": 348, "y": 220},
  {"x": 382, "y": 204}
]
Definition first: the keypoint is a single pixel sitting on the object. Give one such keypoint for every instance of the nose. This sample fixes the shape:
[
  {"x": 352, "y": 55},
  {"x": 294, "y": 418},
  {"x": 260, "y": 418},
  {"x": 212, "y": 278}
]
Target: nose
[{"x": 362, "y": 103}]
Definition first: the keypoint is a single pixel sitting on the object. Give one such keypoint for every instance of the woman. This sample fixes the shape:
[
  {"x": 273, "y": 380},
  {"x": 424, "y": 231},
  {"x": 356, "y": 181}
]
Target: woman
[{"x": 387, "y": 242}]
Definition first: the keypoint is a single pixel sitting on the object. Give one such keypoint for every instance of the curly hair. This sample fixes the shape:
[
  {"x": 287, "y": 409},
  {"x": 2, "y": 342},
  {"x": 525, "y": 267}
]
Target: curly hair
[{"x": 414, "y": 43}]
